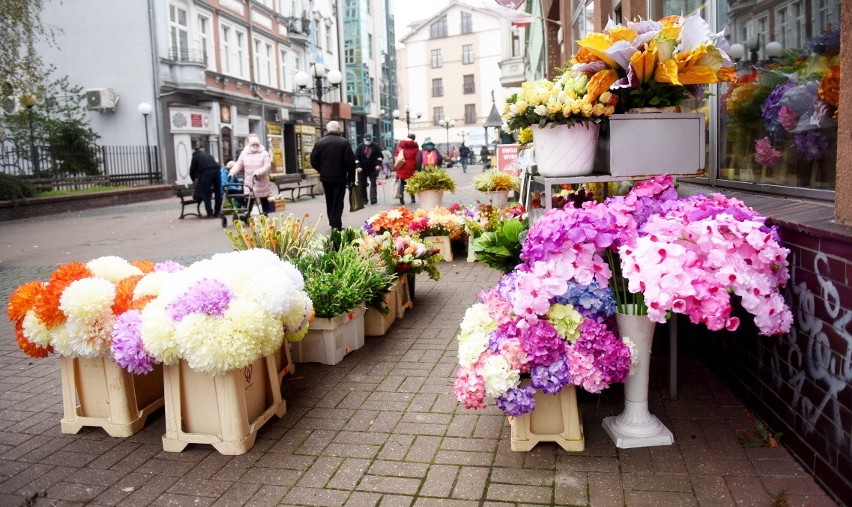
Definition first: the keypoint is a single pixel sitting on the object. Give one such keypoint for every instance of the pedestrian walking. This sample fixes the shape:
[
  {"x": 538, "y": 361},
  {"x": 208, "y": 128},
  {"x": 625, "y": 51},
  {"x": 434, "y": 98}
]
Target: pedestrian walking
[
  {"x": 429, "y": 154},
  {"x": 464, "y": 155},
  {"x": 485, "y": 156},
  {"x": 368, "y": 160},
  {"x": 204, "y": 172},
  {"x": 255, "y": 163},
  {"x": 411, "y": 153},
  {"x": 334, "y": 159}
]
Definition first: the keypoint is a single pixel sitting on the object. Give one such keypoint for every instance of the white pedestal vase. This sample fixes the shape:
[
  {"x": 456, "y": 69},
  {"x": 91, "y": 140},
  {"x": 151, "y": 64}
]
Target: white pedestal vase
[
  {"x": 563, "y": 151},
  {"x": 430, "y": 199},
  {"x": 636, "y": 426}
]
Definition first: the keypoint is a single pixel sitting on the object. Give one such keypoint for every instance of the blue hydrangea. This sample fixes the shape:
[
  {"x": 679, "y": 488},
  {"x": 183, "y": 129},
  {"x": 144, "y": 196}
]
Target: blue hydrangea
[
  {"x": 552, "y": 378},
  {"x": 517, "y": 401},
  {"x": 590, "y": 300}
]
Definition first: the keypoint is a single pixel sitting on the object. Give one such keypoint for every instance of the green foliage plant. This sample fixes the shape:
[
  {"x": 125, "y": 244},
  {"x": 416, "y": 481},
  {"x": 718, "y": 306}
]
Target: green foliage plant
[
  {"x": 288, "y": 237},
  {"x": 14, "y": 189},
  {"x": 494, "y": 180},
  {"x": 430, "y": 178},
  {"x": 501, "y": 248}
]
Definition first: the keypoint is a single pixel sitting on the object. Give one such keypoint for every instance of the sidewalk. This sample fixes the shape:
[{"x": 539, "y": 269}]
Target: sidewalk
[{"x": 380, "y": 428}]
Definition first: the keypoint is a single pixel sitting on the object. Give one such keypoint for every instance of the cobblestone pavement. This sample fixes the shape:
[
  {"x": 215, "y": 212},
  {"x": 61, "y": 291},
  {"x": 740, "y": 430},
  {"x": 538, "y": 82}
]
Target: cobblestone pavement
[{"x": 380, "y": 428}]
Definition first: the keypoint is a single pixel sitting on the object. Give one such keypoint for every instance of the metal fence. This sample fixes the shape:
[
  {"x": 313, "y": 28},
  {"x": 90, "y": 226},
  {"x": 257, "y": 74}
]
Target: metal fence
[{"x": 117, "y": 165}]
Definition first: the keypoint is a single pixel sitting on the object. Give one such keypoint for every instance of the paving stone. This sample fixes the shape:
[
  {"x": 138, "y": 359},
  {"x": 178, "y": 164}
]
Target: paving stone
[
  {"x": 520, "y": 493},
  {"x": 656, "y": 498},
  {"x": 238, "y": 493},
  {"x": 605, "y": 489},
  {"x": 363, "y": 499},
  {"x": 268, "y": 496},
  {"x": 320, "y": 472},
  {"x": 349, "y": 474},
  {"x": 393, "y": 485},
  {"x": 399, "y": 469}
]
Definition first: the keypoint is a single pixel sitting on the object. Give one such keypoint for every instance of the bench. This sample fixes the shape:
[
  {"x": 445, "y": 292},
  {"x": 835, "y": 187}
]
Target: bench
[
  {"x": 292, "y": 182},
  {"x": 185, "y": 194}
]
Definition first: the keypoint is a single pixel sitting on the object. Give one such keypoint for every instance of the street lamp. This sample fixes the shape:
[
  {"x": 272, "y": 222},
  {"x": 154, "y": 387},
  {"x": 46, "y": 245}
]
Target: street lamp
[
  {"x": 409, "y": 116},
  {"x": 145, "y": 110},
  {"x": 29, "y": 101},
  {"x": 447, "y": 124},
  {"x": 319, "y": 72}
]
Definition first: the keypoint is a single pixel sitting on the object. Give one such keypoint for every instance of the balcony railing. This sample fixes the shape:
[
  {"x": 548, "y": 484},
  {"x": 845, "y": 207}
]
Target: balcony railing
[
  {"x": 298, "y": 25},
  {"x": 181, "y": 55}
]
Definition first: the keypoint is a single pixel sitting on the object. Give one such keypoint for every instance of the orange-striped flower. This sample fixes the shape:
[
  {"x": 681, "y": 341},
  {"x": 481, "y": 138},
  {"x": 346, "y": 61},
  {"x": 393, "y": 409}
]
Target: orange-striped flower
[{"x": 22, "y": 300}]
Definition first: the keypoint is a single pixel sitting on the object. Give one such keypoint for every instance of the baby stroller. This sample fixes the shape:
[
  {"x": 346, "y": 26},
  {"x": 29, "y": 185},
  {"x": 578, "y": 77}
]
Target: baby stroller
[{"x": 237, "y": 201}]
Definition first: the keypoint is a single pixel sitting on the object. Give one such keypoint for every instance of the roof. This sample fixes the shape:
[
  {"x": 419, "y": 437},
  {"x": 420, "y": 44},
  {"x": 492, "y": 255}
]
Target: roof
[{"x": 494, "y": 119}]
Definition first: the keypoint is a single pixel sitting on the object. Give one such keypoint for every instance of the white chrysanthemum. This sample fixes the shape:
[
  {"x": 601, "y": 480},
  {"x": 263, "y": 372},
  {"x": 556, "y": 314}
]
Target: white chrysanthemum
[
  {"x": 634, "y": 354},
  {"x": 36, "y": 331},
  {"x": 214, "y": 345},
  {"x": 87, "y": 298},
  {"x": 297, "y": 318},
  {"x": 158, "y": 332},
  {"x": 112, "y": 268},
  {"x": 152, "y": 284},
  {"x": 61, "y": 341},
  {"x": 90, "y": 336},
  {"x": 499, "y": 376}
]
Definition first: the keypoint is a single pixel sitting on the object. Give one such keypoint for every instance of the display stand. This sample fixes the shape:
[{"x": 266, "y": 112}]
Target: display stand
[{"x": 531, "y": 182}]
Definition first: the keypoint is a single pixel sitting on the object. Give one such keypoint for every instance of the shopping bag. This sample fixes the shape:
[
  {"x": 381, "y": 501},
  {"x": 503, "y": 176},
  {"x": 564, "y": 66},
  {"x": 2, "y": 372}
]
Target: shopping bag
[
  {"x": 355, "y": 201},
  {"x": 399, "y": 161}
]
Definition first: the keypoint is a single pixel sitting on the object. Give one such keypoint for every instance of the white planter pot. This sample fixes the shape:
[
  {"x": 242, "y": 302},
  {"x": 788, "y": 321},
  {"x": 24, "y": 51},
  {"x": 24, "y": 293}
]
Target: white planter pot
[
  {"x": 636, "y": 426},
  {"x": 497, "y": 198},
  {"x": 564, "y": 151},
  {"x": 430, "y": 199}
]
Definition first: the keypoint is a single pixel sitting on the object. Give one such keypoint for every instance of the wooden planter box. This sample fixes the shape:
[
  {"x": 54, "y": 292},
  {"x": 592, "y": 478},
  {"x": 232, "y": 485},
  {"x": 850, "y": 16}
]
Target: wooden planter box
[
  {"x": 97, "y": 392},
  {"x": 555, "y": 418},
  {"x": 402, "y": 295},
  {"x": 329, "y": 340},
  {"x": 376, "y": 324},
  {"x": 443, "y": 244},
  {"x": 224, "y": 411},
  {"x": 284, "y": 361},
  {"x": 647, "y": 144}
]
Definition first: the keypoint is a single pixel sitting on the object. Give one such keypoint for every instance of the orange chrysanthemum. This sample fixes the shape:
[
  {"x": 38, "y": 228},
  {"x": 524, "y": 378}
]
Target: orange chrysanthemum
[
  {"x": 22, "y": 300},
  {"x": 70, "y": 272},
  {"x": 46, "y": 305},
  {"x": 144, "y": 265},
  {"x": 585, "y": 56},
  {"x": 124, "y": 294},
  {"x": 670, "y": 20},
  {"x": 140, "y": 303},
  {"x": 30, "y": 348}
]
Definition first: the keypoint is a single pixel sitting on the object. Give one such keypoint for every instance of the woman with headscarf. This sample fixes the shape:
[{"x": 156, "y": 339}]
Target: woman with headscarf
[{"x": 255, "y": 162}]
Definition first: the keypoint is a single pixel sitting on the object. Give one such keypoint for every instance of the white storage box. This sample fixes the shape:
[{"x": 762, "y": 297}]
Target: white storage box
[{"x": 648, "y": 144}]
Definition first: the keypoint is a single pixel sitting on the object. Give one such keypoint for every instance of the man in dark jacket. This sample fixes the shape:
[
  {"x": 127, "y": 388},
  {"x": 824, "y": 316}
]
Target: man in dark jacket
[
  {"x": 368, "y": 158},
  {"x": 205, "y": 172},
  {"x": 334, "y": 159}
]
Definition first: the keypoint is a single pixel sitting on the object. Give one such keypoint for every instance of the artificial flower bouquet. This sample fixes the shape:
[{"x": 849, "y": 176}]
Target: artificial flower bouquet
[
  {"x": 402, "y": 254},
  {"x": 654, "y": 63},
  {"x": 395, "y": 220},
  {"x": 437, "y": 222},
  {"x": 570, "y": 98},
  {"x": 495, "y": 180},
  {"x": 340, "y": 277},
  {"x": 81, "y": 311},
  {"x": 223, "y": 313},
  {"x": 288, "y": 237}
]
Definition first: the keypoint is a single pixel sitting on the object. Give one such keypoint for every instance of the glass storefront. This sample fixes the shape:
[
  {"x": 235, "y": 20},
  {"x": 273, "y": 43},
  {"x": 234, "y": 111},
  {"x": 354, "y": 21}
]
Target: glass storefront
[{"x": 777, "y": 125}]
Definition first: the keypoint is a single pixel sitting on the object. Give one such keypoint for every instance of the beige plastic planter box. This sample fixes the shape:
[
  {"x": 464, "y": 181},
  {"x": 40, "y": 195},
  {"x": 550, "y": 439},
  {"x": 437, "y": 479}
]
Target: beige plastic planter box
[
  {"x": 97, "y": 392},
  {"x": 402, "y": 296},
  {"x": 555, "y": 418},
  {"x": 329, "y": 340},
  {"x": 376, "y": 324},
  {"x": 224, "y": 411},
  {"x": 443, "y": 244},
  {"x": 284, "y": 361}
]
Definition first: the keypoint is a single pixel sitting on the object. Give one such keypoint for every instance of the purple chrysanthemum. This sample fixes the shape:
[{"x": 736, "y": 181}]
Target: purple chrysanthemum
[
  {"x": 127, "y": 348},
  {"x": 210, "y": 297},
  {"x": 552, "y": 378},
  {"x": 517, "y": 401},
  {"x": 168, "y": 266}
]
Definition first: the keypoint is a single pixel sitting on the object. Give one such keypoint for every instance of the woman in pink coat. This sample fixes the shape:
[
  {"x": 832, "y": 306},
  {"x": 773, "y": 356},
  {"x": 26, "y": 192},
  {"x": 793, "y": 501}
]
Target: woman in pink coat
[{"x": 255, "y": 162}]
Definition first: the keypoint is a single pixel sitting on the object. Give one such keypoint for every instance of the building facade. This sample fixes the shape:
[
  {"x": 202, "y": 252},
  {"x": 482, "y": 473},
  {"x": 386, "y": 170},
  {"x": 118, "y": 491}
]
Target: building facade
[
  {"x": 450, "y": 68},
  {"x": 213, "y": 71}
]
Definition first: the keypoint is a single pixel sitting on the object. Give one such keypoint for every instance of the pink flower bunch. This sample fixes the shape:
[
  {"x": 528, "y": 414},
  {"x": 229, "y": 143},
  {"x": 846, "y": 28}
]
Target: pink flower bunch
[
  {"x": 788, "y": 118},
  {"x": 691, "y": 258},
  {"x": 765, "y": 154}
]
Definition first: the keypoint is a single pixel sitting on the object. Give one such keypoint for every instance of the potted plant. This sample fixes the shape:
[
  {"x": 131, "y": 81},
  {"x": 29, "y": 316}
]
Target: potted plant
[
  {"x": 429, "y": 185},
  {"x": 341, "y": 281},
  {"x": 438, "y": 227},
  {"x": 496, "y": 185}
]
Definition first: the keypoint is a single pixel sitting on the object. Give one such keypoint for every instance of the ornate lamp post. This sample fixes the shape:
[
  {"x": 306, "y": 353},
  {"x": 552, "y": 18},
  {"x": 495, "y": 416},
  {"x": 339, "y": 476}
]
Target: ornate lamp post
[
  {"x": 447, "y": 124},
  {"x": 29, "y": 101},
  {"x": 145, "y": 110},
  {"x": 320, "y": 75},
  {"x": 409, "y": 116}
]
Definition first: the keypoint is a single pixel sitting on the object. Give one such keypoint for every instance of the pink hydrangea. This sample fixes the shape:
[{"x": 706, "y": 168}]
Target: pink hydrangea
[{"x": 765, "y": 154}]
